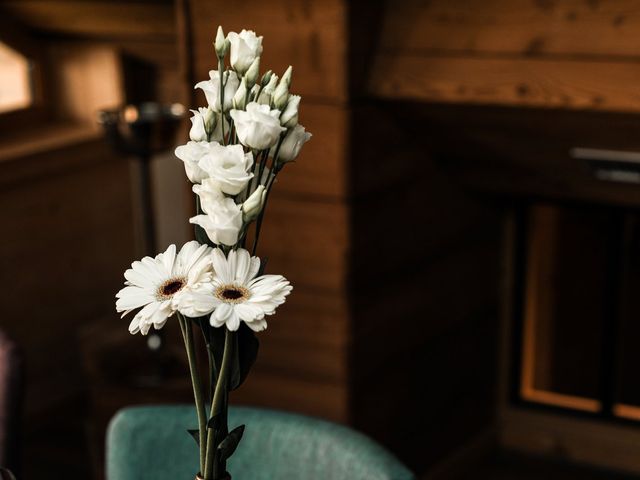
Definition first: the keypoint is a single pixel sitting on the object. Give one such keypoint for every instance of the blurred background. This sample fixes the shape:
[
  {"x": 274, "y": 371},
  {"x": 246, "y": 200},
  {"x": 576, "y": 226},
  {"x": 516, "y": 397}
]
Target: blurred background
[{"x": 463, "y": 231}]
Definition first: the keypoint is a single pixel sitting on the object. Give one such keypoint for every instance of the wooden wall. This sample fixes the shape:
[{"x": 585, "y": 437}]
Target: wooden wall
[{"x": 575, "y": 54}]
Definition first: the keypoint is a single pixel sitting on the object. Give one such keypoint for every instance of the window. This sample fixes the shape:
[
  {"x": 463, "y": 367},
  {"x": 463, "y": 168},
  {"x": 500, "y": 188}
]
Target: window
[
  {"x": 579, "y": 323},
  {"x": 16, "y": 90}
]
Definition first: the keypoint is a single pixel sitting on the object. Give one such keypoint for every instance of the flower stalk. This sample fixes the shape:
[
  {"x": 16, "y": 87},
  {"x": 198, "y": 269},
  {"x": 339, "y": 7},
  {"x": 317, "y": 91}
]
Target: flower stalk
[
  {"x": 187, "y": 334},
  {"x": 214, "y": 466}
]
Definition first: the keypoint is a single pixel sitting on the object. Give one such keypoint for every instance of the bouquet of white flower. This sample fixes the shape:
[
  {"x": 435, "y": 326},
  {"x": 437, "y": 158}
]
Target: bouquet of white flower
[{"x": 238, "y": 145}]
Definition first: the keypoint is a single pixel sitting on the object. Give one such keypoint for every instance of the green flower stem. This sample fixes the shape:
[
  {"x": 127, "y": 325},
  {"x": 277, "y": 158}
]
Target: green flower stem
[
  {"x": 217, "y": 406},
  {"x": 212, "y": 365},
  {"x": 263, "y": 164},
  {"x": 187, "y": 334},
  {"x": 221, "y": 74},
  {"x": 270, "y": 181}
]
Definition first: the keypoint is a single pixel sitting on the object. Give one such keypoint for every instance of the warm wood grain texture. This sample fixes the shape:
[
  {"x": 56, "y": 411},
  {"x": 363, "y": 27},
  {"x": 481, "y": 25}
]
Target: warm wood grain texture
[
  {"x": 308, "y": 396},
  {"x": 571, "y": 54},
  {"x": 97, "y": 18},
  {"x": 311, "y": 36},
  {"x": 514, "y": 27},
  {"x": 536, "y": 82}
]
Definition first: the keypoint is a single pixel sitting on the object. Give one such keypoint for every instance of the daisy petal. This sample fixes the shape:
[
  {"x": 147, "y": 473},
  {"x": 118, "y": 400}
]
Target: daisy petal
[
  {"x": 220, "y": 266},
  {"x": 258, "y": 325}
]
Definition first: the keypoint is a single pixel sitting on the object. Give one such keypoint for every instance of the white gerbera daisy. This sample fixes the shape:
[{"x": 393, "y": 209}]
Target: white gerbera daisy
[
  {"x": 235, "y": 293},
  {"x": 152, "y": 283}
]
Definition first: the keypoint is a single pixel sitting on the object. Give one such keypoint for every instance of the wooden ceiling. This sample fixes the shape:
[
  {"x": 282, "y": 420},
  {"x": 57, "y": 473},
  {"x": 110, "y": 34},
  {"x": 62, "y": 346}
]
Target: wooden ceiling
[{"x": 93, "y": 18}]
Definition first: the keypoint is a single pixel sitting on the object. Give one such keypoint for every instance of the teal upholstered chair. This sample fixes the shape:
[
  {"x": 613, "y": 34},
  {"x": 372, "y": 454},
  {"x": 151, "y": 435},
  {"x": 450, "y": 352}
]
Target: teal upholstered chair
[{"x": 152, "y": 443}]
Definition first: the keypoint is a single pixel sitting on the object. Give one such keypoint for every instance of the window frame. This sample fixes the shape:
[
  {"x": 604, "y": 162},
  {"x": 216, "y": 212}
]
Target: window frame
[{"x": 26, "y": 45}]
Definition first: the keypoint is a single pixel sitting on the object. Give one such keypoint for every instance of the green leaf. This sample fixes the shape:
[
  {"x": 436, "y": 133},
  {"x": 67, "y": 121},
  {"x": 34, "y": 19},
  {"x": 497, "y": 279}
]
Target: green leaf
[
  {"x": 245, "y": 354},
  {"x": 230, "y": 443},
  {"x": 195, "y": 434}
]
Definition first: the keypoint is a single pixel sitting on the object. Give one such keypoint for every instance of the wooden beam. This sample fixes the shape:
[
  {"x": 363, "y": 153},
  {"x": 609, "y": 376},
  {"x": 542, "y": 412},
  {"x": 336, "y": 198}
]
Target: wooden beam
[
  {"x": 567, "y": 28},
  {"x": 96, "y": 18},
  {"x": 584, "y": 85}
]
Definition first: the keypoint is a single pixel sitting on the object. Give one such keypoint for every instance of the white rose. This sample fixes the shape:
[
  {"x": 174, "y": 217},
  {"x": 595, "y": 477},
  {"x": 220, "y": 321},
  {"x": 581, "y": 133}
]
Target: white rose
[
  {"x": 209, "y": 193},
  {"x": 229, "y": 166},
  {"x": 211, "y": 89},
  {"x": 190, "y": 154},
  {"x": 245, "y": 47},
  {"x": 258, "y": 127},
  {"x": 292, "y": 144},
  {"x": 223, "y": 220},
  {"x": 289, "y": 117}
]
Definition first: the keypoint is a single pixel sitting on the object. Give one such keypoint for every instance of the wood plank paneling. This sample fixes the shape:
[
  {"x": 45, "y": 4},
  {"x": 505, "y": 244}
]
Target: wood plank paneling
[
  {"x": 566, "y": 28},
  {"x": 309, "y": 396},
  {"x": 320, "y": 171},
  {"x": 97, "y": 18},
  {"x": 515, "y": 81},
  {"x": 307, "y": 241}
]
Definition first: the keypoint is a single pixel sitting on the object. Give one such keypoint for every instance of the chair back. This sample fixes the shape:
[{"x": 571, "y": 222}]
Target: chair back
[{"x": 153, "y": 443}]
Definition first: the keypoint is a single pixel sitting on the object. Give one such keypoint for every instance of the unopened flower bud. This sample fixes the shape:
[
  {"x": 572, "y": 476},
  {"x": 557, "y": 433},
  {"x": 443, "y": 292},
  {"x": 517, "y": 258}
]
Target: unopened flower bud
[
  {"x": 286, "y": 76},
  {"x": 252, "y": 74},
  {"x": 267, "y": 92},
  {"x": 199, "y": 131},
  {"x": 253, "y": 94},
  {"x": 280, "y": 96},
  {"x": 266, "y": 78},
  {"x": 240, "y": 98},
  {"x": 210, "y": 119},
  {"x": 289, "y": 117},
  {"x": 221, "y": 43},
  {"x": 252, "y": 206}
]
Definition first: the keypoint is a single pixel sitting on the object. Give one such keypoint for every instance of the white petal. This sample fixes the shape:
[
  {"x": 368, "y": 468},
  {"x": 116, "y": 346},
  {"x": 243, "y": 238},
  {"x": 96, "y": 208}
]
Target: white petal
[
  {"x": 221, "y": 266},
  {"x": 221, "y": 314},
  {"x": 130, "y": 298},
  {"x": 254, "y": 268},
  {"x": 137, "y": 277},
  {"x": 233, "y": 322},
  {"x": 195, "y": 304},
  {"x": 243, "y": 263},
  {"x": 258, "y": 325},
  {"x": 249, "y": 312}
]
